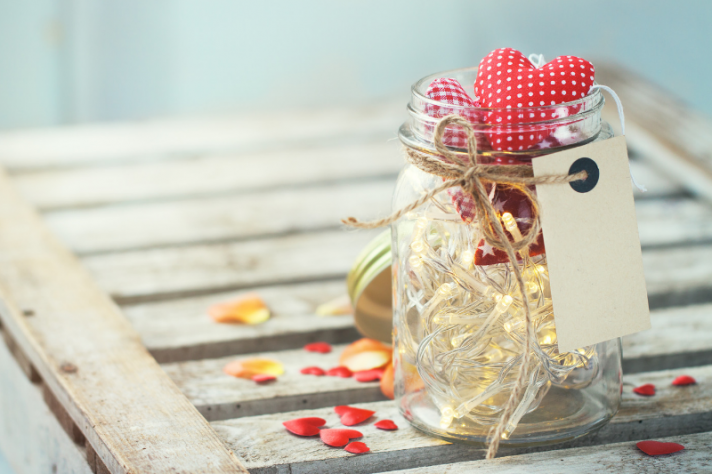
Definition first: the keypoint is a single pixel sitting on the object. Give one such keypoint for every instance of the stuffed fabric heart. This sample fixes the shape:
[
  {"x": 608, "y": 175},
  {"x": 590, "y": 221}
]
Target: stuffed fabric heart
[{"x": 506, "y": 79}]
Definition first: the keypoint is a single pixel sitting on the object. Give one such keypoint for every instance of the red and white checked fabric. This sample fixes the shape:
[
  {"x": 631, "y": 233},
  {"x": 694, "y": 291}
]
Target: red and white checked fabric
[{"x": 449, "y": 91}]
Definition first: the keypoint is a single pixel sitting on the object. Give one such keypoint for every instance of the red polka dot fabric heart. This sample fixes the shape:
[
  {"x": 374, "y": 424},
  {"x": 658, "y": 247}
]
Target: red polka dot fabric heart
[{"x": 506, "y": 79}]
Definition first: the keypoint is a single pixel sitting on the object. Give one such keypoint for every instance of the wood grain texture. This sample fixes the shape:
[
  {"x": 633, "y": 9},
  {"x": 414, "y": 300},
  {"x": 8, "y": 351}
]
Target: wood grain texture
[
  {"x": 181, "y": 329},
  {"x": 185, "y": 138},
  {"x": 127, "y": 408},
  {"x": 620, "y": 458},
  {"x": 219, "y": 396},
  {"x": 31, "y": 438},
  {"x": 674, "y": 276},
  {"x": 267, "y": 447}
]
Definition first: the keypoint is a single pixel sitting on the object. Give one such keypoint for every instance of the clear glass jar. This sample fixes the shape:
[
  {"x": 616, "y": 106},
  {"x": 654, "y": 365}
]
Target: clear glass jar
[{"x": 458, "y": 316}]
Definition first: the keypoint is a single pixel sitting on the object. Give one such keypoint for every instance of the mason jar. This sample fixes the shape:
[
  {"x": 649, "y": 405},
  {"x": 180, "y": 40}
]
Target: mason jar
[{"x": 458, "y": 317}]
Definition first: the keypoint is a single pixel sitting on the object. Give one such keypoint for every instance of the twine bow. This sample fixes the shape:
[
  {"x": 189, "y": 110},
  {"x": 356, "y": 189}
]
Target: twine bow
[{"x": 471, "y": 177}]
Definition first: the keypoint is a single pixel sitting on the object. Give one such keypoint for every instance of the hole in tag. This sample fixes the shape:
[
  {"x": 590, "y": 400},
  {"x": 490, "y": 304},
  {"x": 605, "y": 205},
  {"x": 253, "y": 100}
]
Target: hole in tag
[{"x": 591, "y": 168}]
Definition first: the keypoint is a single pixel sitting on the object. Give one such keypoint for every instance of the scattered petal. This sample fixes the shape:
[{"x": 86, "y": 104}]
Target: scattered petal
[
  {"x": 248, "y": 368},
  {"x": 336, "y": 307},
  {"x": 322, "y": 347},
  {"x": 304, "y": 426},
  {"x": 264, "y": 378},
  {"x": 351, "y": 415},
  {"x": 647, "y": 390},
  {"x": 656, "y": 448},
  {"x": 683, "y": 380},
  {"x": 318, "y": 371},
  {"x": 339, "y": 371},
  {"x": 387, "y": 425},
  {"x": 387, "y": 382},
  {"x": 361, "y": 346},
  {"x": 369, "y": 375},
  {"x": 338, "y": 437},
  {"x": 247, "y": 309},
  {"x": 367, "y": 360},
  {"x": 357, "y": 447}
]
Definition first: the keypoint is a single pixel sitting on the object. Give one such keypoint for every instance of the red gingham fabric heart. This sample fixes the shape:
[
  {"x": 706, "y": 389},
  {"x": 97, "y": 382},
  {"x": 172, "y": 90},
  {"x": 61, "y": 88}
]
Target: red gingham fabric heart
[
  {"x": 357, "y": 447},
  {"x": 683, "y": 380},
  {"x": 352, "y": 416},
  {"x": 387, "y": 425},
  {"x": 647, "y": 390},
  {"x": 506, "y": 79},
  {"x": 337, "y": 437},
  {"x": 656, "y": 448},
  {"x": 308, "y": 426}
]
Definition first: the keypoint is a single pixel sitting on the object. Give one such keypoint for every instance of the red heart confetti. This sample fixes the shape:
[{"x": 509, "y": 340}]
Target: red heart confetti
[
  {"x": 506, "y": 79},
  {"x": 647, "y": 390},
  {"x": 657, "y": 448},
  {"x": 369, "y": 375},
  {"x": 339, "y": 371},
  {"x": 387, "y": 425},
  {"x": 304, "y": 426},
  {"x": 683, "y": 380},
  {"x": 264, "y": 378},
  {"x": 318, "y": 371},
  {"x": 357, "y": 447},
  {"x": 338, "y": 437},
  {"x": 351, "y": 415},
  {"x": 322, "y": 347}
]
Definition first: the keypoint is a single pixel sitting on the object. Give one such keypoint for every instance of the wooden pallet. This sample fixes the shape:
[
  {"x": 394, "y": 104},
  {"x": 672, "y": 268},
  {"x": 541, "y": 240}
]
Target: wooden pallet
[{"x": 115, "y": 239}]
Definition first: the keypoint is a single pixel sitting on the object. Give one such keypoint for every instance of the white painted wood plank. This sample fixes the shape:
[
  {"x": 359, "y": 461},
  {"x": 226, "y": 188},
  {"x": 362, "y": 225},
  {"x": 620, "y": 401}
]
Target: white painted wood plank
[
  {"x": 219, "y": 396},
  {"x": 267, "y": 447},
  {"x": 30, "y": 437},
  {"x": 619, "y": 458},
  {"x": 180, "y": 137},
  {"x": 182, "y": 330},
  {"x": 170, "y": 272},
  {"x": 673, "y": 275}
]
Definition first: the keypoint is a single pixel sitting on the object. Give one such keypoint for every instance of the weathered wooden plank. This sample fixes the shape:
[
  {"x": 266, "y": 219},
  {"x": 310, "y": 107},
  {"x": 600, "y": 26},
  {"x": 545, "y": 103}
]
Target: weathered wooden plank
[
  {"x": 91, "y": 359},
  {"x": 194, "y": 270},
  {"x": 187, "y": 137},
  {"x": 181, "y": 329},
  {"x": 674, "y": 275},
  {"x": 266, "y": 446},
  {"x": 679, "y": 338},
  {"x": 219, "y": 219},
  {"x": 219, "y": 396},
  {"x": 621, "y": 458},
  {"x": 30, "y": 436}
]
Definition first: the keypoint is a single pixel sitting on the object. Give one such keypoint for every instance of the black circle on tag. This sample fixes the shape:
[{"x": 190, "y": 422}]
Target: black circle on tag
[{"x": 590, "y": 167}]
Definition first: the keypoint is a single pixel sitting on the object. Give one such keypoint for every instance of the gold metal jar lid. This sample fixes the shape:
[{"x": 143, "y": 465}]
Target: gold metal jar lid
[{"x": 369, "y": 286}]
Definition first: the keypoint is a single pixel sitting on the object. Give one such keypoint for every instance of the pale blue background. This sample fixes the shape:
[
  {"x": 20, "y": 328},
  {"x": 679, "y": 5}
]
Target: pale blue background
[{"x": 64, "y": 61}]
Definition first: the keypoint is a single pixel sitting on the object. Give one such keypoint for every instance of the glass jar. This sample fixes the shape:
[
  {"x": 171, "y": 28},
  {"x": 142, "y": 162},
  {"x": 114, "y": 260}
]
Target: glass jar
[{"x": 458, "y": 315}]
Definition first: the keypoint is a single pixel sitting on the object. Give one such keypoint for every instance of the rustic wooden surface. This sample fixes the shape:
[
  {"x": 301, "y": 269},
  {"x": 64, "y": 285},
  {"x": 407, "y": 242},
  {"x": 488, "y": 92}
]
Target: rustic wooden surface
[{"x": 172, "y": 216}]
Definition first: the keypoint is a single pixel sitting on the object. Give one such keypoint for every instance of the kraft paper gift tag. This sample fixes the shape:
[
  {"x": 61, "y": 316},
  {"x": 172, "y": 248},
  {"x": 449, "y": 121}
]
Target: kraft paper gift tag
[{"x": 592, "y": 245}]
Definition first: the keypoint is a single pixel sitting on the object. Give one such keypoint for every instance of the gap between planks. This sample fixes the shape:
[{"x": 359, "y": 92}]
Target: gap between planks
[{"x": 267, "y": 447}]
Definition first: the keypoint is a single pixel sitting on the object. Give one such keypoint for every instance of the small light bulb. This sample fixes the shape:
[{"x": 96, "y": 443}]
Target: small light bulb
[
  {"x": 415, "y": 261},
  {"x": 418, "y": 246},
  {"x": 467, "y": 258},
  {"x": 511, "y": 225},
  {"x": 541, "y": 269},
  {"x": 531, "y": 287},
  {"x": 447, "y": 414},
  {"x": 445, "y": 289}
]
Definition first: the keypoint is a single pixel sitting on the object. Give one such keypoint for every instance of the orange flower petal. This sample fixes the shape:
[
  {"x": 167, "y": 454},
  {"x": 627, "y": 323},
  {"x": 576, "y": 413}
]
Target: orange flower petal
[
  {"x": 363, "y": 345},
  {"x": 248, "y": 368},
  {"x": 247, "y": 309},
  {"x": 336, "y": 307},
  {"x": 367, "y": 361},
  {"x": 387, "y": 382}
]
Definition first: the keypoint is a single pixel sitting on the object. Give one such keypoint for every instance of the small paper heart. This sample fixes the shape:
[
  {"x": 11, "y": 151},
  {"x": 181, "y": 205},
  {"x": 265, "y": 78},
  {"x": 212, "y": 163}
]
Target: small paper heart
[
  {"x": 264, "y": 378},
  {"x": 304, "y": 426},
  {"x": 683, "y": 380},
  {"x": 322, "y": 347},
  {"x": 352, "y": 416},
  {"x": 318, "y": 371},
  {"x": 357, "y": 447},
  {"x": 369, "y": 375},
  {"x": 340, "y": 371},
  {"x": 338, "y": 437},
  {"x": 387, "y": 425},
  {"x": 657, "y": 448},
  {"x": 647, "y": 390}
]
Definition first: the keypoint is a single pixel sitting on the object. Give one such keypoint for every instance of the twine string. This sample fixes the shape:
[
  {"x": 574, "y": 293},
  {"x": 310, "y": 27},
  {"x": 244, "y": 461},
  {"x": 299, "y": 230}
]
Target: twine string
[{"x": 472, "y": 177}]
